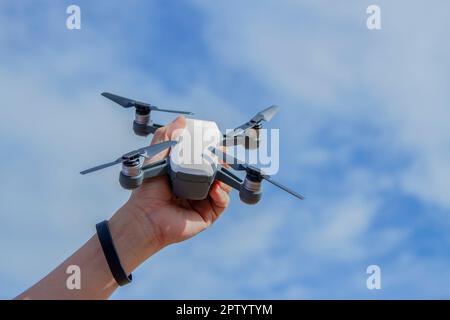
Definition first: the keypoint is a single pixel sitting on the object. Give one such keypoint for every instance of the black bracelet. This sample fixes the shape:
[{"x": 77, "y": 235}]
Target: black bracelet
[{"x": 104, "y": 236}]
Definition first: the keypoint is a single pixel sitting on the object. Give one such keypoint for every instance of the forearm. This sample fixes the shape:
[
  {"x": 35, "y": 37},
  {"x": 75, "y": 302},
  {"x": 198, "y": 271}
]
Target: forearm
[{"x": 133, "y": 246}]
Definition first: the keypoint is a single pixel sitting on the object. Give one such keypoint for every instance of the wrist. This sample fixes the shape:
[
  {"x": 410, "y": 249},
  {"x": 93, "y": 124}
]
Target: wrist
[{"x": 135, "y": 240}]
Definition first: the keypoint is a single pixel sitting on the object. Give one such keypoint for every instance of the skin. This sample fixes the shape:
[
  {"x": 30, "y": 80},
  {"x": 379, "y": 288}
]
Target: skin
[{"x": 150, "y": 220}]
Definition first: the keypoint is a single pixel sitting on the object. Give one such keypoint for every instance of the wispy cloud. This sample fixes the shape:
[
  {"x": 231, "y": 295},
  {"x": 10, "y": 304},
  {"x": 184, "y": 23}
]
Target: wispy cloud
[{"x": 362, "y": 124}]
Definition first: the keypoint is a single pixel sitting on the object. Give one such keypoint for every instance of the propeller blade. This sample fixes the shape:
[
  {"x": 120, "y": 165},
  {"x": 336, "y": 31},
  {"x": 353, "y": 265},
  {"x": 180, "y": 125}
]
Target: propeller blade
[
  {"x": 265, "y": 115},
  {"x": 279, "y": 185},
  {"x": 124, "y": 102},
  {"x": 154, "y": 108},
  {"x": 149, "y": 150},
  {"x": 239, "y": 165},
  {"x": 154, "y": 149},
  {"x": 128, "y": 103},
  {"x": 240, "y": 130},
  {"x": 230, "y": 160},
  {"x": 102, "y": 166}
]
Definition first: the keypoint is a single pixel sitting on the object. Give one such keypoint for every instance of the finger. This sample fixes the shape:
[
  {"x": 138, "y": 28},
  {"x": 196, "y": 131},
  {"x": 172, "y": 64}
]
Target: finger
[
  {"x": 159, "y": 135},
  {"x": 163, "y": 134},
  {"x": 167, "y": 132},
  {"x": 220, "y": 198},
  {"x": 205, "y": 209},
  {"x": 211, "y": 208},
  {"x": 225, "y": 187},
  {"x": 175, "y": 128}
]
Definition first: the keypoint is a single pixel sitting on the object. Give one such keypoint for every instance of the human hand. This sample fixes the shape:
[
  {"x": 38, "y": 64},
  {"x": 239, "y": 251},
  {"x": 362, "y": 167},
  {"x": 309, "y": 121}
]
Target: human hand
[
  {"x": 151, "y": 219},
  {"x": 156, "y": 218}
]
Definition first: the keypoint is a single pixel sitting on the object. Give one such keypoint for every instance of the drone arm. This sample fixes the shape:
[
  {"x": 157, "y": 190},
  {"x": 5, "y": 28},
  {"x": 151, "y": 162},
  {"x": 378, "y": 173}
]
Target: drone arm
[
  {"x": 229, "y": 141},
  {"x": 226, "y": 176},
  {"x": 145, "y": 129},
  {"x": 151, "y": 129},
  {"x": 155, "y": 169}
]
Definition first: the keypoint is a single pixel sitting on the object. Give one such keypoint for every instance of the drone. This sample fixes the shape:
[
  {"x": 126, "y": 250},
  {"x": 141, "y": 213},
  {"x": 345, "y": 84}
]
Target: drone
[{"x": 193, "y": 179}]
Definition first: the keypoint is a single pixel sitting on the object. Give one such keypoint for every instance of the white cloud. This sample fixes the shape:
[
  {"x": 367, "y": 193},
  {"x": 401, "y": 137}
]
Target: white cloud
[
  {"x": 310, "y": 55},
  {"x": 318, "y": 53}
]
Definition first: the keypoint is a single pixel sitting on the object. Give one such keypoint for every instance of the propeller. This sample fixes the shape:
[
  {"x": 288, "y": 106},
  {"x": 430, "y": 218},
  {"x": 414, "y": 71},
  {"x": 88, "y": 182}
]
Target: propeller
[
  {"x": 242, "y": 166},
  {"x": 144, "y": 152},
  {"x": 128, "y": 103},
  {"x": 265, "y": 115}
]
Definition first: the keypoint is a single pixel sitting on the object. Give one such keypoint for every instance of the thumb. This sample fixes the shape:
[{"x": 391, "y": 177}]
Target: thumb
[
  {"x": 175, "y": 128},
  {"x": 165, "y": 133}
]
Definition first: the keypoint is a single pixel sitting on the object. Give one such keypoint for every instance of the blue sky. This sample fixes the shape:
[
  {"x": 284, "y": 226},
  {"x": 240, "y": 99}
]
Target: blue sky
[{"x": 363, "y": 127}]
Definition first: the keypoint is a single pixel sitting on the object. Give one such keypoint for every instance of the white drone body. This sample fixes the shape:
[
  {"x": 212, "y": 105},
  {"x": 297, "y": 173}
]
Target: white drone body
[{"x": 192, "y": 167}]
